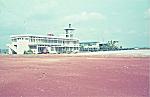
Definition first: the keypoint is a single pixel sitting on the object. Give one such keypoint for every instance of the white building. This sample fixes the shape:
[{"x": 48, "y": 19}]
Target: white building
[
  {"x": 99, "y": 46},
  {"x": 44, "y": 43},
  {"x": 89, "y": 46}
]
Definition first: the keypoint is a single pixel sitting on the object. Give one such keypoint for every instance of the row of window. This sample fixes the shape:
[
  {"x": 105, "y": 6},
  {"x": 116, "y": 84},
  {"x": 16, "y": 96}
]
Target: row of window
[
  {"x": 45, "y": 40},
  {"x": 15, "y": 39}
]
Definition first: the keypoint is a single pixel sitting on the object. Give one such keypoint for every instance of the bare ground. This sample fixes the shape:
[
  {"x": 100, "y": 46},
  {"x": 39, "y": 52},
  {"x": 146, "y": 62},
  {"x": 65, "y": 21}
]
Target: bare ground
[{"x": 74, "y": 76}]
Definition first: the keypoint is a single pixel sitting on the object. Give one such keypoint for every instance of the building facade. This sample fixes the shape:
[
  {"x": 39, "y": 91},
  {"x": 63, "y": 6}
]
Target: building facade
[
  {"x": 89, "y": 46},
  {"x": 36, "y": 44},
  {"x": 99, "y": 46}
]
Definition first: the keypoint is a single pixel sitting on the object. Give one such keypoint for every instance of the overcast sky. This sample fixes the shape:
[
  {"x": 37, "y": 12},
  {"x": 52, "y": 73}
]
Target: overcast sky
[{"x": 95, "y": 20}]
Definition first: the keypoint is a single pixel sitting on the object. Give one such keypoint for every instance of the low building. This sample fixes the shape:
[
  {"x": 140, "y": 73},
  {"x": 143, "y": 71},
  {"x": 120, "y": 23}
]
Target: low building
[
  {"x": 3, "y": 51},
  {"x": 36, "y": 44},
  {"x": 89, "y": 46},
  {"x": 99, "y": 46}
]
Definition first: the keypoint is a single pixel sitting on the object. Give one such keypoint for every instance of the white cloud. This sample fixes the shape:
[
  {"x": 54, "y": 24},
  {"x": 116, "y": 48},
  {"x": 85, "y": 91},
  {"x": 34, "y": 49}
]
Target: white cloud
[
  {"x": 85, "y": 16},
  {"x": 27, "y": 8},
  {"x": 147, "y": 13},
  {"x": 43, "y": 6}
]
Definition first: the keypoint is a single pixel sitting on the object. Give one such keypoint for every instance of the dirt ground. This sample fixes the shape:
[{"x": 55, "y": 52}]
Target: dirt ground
[{"x": 76, "y": 76}]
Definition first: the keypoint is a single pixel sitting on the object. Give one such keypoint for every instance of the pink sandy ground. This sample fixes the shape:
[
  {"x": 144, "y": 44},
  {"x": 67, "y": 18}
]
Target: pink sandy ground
[{"x": 62, "y": 76}]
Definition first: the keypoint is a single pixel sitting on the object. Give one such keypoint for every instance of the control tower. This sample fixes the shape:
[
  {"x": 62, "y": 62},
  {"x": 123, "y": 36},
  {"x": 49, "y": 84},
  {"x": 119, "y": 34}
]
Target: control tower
[{"x": 69, "y": 31}]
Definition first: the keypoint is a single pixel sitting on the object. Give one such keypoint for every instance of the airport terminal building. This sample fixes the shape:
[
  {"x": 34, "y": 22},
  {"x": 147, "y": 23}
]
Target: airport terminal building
[{"x": 21, "y": 44}]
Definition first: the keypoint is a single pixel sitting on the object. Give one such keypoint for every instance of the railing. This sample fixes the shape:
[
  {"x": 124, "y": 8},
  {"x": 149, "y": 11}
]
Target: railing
[
  {"x": 12, "y": 47},
  {"x": 71, "y": 45}
]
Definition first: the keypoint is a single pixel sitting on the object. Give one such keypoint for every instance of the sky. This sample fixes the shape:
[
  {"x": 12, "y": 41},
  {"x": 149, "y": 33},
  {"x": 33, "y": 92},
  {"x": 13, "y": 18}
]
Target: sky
[{"x": 127, "y": 21}]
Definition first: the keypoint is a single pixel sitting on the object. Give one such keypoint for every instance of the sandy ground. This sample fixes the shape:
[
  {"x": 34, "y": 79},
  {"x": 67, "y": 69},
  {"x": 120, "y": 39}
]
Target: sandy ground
[
  {"x": 121, "y": 53},
  {"x": 75, "y": 76}
]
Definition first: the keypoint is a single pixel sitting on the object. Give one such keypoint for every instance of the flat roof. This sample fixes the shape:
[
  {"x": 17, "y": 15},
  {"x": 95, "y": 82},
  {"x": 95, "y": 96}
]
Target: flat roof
[{"x": 43, "y": 36}]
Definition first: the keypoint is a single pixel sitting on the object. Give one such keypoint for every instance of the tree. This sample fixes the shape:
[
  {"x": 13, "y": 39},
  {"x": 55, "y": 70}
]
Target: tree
[{"x": 28, "y": 52}]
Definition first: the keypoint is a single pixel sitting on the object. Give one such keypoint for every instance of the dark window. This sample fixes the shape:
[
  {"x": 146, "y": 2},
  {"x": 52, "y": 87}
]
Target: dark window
[{"x": 32, "y": 46}]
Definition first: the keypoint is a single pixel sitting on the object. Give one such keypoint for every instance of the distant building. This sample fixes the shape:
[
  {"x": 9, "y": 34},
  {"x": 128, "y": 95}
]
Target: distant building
[
  {"x": 99, "y": 46},
  {"x": 3, "y": 51},
  {"x": 89, "y": 46},
  {"x": 22, "y": 44}
]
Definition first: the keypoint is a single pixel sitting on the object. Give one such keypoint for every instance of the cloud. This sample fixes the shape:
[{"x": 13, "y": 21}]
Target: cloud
[
  {"x": 28, "y": 8},
  {"x": 43, "y": 6},
  {"x": 147, "y": 13},
  {"x": 31, "y": 11},
  {"x": 84, "y": 16}
]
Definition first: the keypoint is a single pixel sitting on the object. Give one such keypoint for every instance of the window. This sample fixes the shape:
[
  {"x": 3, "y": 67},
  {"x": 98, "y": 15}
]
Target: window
[
  {"x": 55, "y": 41},
  {"x": 32, "y": 46},
  {"x": 15, "y": 46},
  {"x": 74, "y": 42},
  {"x": 52, "y": 49},
  {"x": 59, "y": 41},
  {"x": 71, "y": 35},
  {"x": 67, "y": 35}
]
